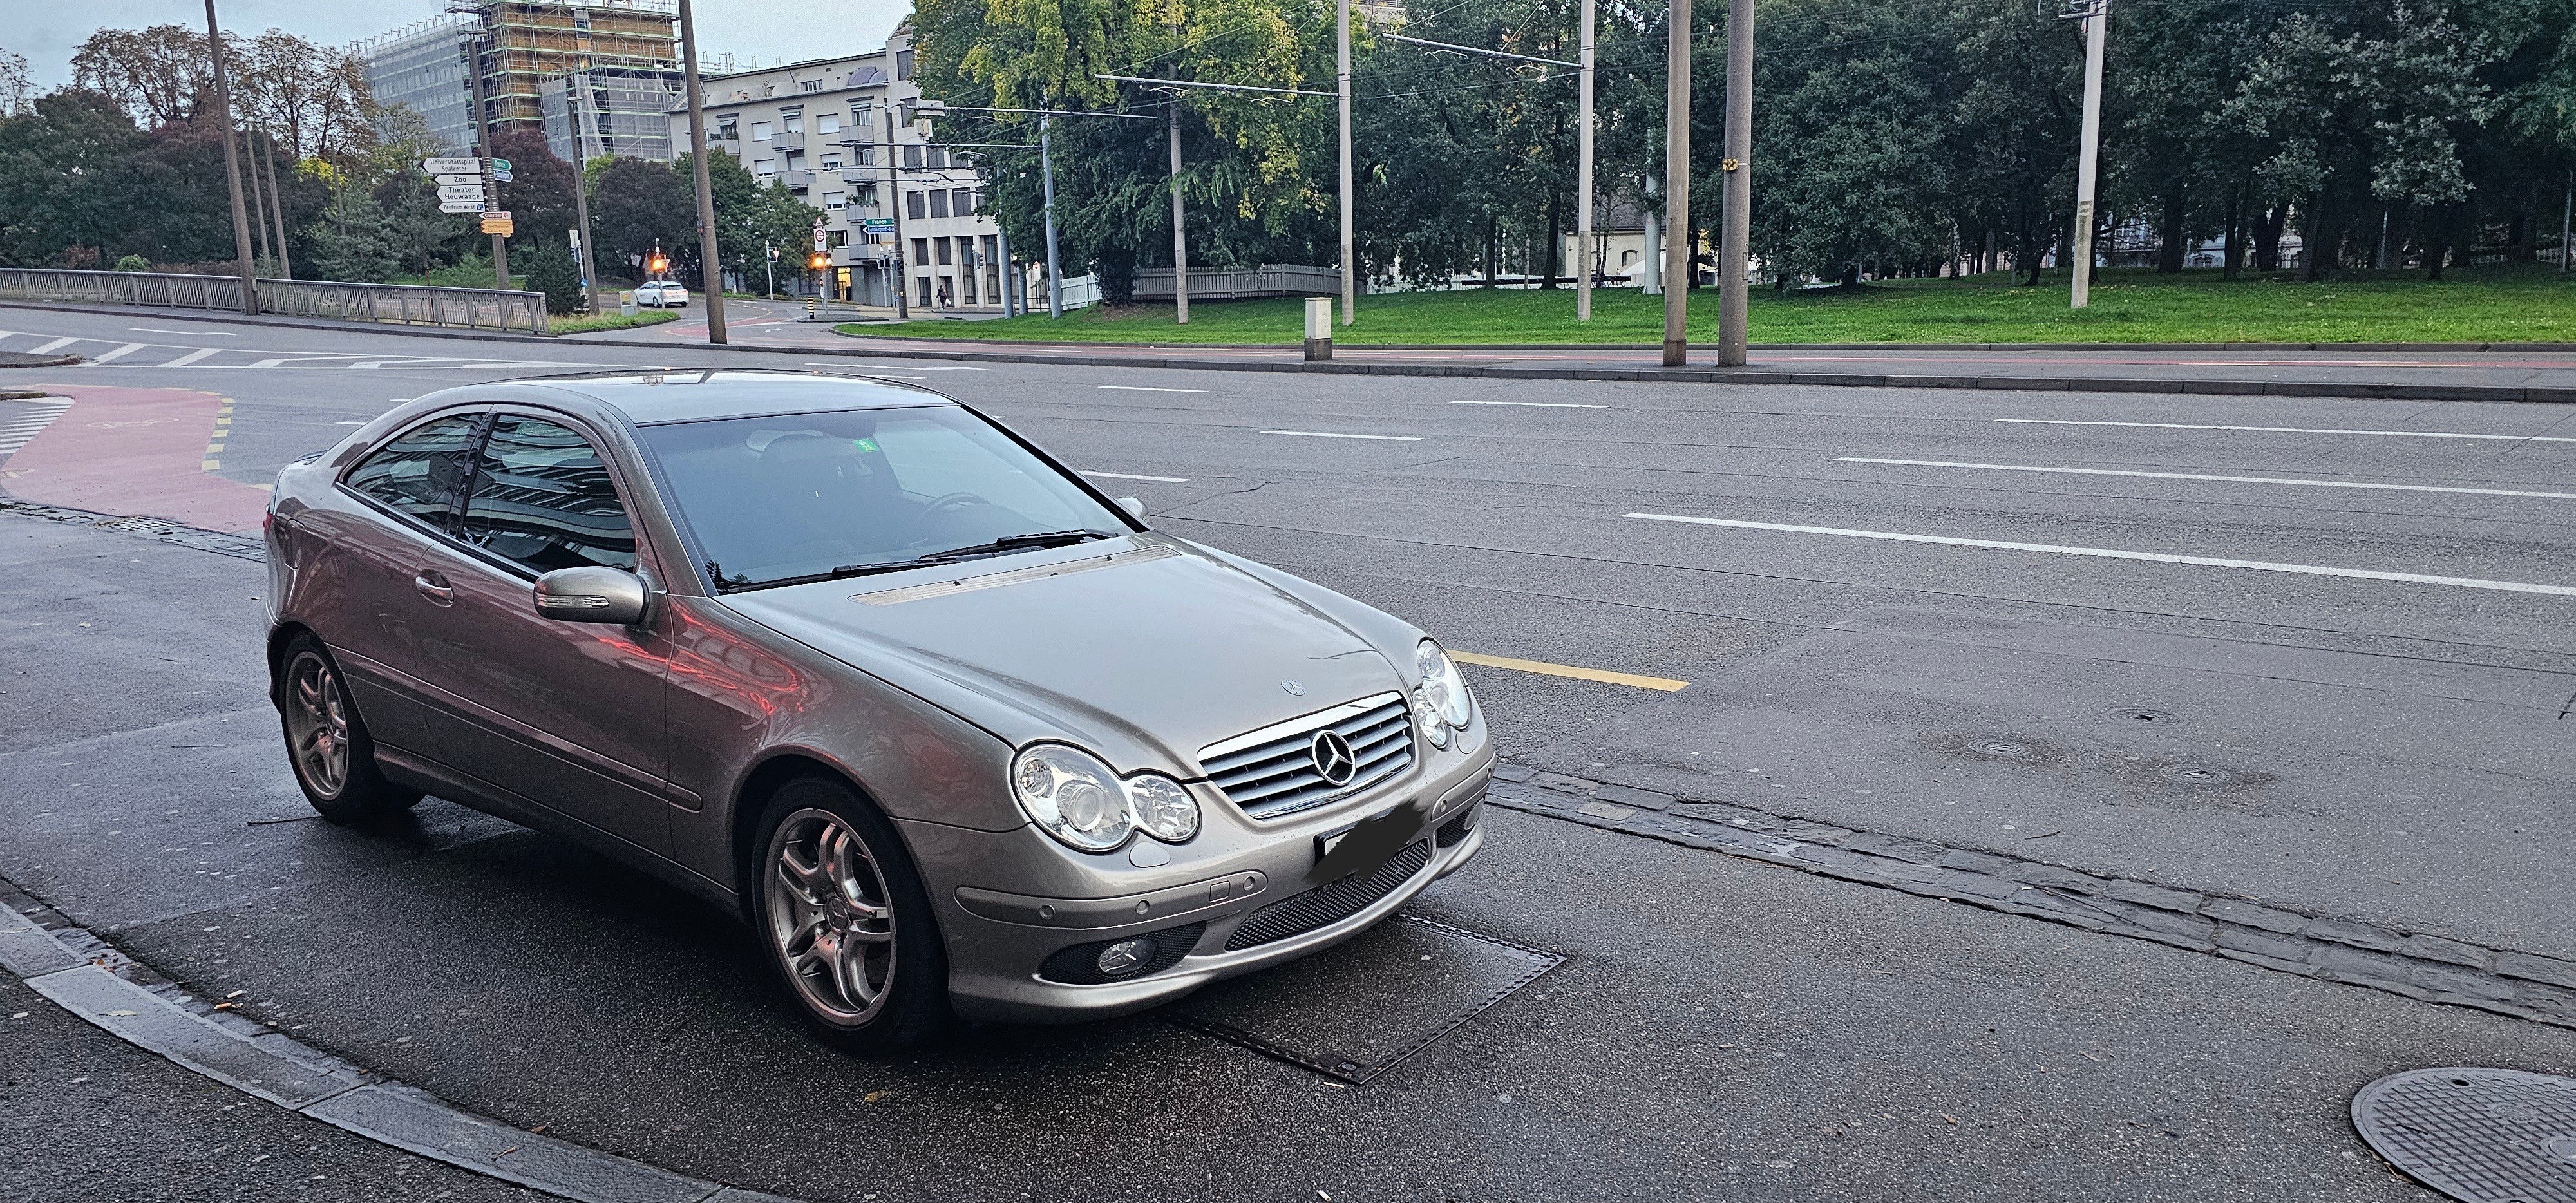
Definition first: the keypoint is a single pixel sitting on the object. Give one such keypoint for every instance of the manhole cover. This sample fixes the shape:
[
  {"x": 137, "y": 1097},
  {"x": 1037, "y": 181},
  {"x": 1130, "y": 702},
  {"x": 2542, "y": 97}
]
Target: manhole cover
[
  {"x": 1352, "y": 1012},
  {"x": 2005, "y": 748},
  {"x": 2480, "y": 1135},
  {"x": 2196, "y": 774},
  {"x": 2143, "y": 716}
]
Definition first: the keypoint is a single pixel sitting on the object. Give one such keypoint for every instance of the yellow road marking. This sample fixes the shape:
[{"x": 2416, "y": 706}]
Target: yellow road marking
[
  {"x": 1605, "y": 676},
  {"x": 211, "y": 465}
]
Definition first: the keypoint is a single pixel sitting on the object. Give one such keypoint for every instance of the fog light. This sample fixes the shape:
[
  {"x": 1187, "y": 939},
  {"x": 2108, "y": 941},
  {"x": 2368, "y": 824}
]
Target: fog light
[{"x": 1125, "y": 956}]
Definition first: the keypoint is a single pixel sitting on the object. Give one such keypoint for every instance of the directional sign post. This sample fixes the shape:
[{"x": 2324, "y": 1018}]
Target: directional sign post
[
  {"x": 457, "y": 178},
  {"x": 497, "y": 222},
  {"x": 460, "y": 192},
  {"x": 458, "y": 166},
  {"x": 463, "y": 206}
]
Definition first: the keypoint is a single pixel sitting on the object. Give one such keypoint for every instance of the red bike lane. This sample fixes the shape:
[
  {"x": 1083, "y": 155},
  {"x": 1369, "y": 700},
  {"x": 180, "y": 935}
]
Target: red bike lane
[{"x": 136, "y": 452}]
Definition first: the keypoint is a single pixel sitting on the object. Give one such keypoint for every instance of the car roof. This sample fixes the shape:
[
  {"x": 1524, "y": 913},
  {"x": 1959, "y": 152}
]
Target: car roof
[{"x": 656, "y": 397}]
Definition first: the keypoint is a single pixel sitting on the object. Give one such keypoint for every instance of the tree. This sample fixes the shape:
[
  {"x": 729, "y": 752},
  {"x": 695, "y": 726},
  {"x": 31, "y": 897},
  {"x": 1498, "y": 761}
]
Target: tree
[
  {"x": 160, "y": 74},
  {"x": 551, "y": 270},
  {"x": 17, "y": 92},
  {"x": 1857, "y": 173},
  {"x": 639, "y": 205}
]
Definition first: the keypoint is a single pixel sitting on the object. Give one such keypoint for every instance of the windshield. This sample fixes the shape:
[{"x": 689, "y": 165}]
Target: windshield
[{"x": 779, "y": 500}]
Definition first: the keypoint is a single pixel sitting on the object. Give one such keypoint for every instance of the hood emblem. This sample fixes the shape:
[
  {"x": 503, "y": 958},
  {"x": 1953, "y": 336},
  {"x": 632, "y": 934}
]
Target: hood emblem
[
  {"x": 1333, "y": 760},
  {"x": 1294, "y": 688}
]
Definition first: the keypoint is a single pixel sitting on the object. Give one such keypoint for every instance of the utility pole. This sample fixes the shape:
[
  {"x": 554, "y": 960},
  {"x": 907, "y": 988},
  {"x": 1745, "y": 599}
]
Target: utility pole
[
  {"x": 581, "y": 189},
  {"x": 483, "y": 141},
  {"x": 232, "y": 168},
  {"x": 710, "y": 268},
  {"x": 1180, "y": 237},
  {"x": 1046, "y": 167},
  {"x": 1583, "y": 180},
  {"x": 1678, "y": 242},
  {"x": 1650, "y": 268},
  {"x": 2566, "y": 209},
  {"x": 1342, "y": 83},
  {"x": 894, "y": 205},
  {"x": 2096, "y": 15},
  {"x": 770, "y": 253},
  {"x": 1013, "y": 303},
  {"x": 1734, "y": 246},
  {"x": 277, "y": 207}
]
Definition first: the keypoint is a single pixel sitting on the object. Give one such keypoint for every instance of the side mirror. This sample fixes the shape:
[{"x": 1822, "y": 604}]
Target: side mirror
[
  {"x": 1135, "y": 509},
  {"x": 591, "y": 594}
]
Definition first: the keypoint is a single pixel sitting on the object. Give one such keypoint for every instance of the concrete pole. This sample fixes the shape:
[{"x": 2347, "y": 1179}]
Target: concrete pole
[
  {"x": 711, "y": 270},
  {"x": 232, "y": 167},
  {"x": 2095, "y": 26},
  {"x": 1342, "y": 83},
  {"x": 894, "y": 205},
  {"x": 1013, "y": 303},
  {"x": 277, "y": 208},
  {"x": 2566, "y": 210},
  {"x": 1583, "y": 180},
  {"x": 483, "y": 144},
  {"x": 258, "y": 198},
  {"x": 1678, "y": 241},
  {"x": 581, "y": 189},
  {"x": 1734, "y": 243},
  {"x": 1180, "y": 237},
  {"x": 1650, "y": 268},
  {"x": 1046, "y": 168}
]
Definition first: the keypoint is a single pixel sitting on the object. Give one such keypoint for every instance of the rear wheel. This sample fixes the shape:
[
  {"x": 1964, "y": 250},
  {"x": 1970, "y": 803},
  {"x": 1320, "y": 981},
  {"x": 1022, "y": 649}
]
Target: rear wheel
[
  {"x": 327, "y": 743},
  {"x": 845, "y": 919}
]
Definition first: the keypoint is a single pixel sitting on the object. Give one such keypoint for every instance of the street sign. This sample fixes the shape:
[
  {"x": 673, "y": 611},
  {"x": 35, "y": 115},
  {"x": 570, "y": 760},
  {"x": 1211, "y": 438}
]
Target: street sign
[
  {"x": 502, "y": 177},
  {"x": 818, "y": 240},
  {"x": 497, "y": 222},
  {"x": 876, "y": 225},
  {"x": 500, "y": 165},
  {"x": 458, "y": 179},
  {"x": 472, "y": 206},
  {"x": 472, "y": 167},
  {"x": 460, "y": 192}
]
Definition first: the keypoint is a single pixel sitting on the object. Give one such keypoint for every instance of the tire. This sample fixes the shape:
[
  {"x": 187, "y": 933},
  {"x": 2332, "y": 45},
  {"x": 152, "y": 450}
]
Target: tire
[
  {"x": 847, "y": 926},
  {"x": 327, "y": 743}
]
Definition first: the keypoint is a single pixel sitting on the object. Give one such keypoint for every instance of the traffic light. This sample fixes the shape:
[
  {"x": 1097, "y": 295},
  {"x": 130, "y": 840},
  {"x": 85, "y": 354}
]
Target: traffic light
[
  {"x": 657, "y": 263},
  {"x": 818, "y": 261}
]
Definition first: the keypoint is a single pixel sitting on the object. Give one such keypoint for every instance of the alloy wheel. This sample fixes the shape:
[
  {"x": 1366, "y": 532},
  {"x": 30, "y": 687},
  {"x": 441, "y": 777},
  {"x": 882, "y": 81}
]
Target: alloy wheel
[
  {"x": 831, "y": 916},
  {"x": 317, "y": 724}
]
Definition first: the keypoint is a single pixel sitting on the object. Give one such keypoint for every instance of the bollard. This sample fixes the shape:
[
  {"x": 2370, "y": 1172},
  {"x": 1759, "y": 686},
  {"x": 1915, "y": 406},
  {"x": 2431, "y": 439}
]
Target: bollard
[{"x": 1319, "y": 328}]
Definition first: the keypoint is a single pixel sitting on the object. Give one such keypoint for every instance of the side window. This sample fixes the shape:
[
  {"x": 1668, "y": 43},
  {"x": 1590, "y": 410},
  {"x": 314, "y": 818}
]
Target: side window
[
  {"x": 543, "y": 500},
  {"x": 423, "y": 471}
]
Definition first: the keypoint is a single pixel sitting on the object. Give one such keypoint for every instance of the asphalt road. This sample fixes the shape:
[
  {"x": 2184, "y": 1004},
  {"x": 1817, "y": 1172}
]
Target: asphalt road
[{"x": 2364, "y": 713}]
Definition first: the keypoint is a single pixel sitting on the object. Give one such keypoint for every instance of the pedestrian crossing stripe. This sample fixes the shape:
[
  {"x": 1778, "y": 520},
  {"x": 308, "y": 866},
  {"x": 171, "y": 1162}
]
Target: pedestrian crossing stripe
[{"x": 21, "y": 421}]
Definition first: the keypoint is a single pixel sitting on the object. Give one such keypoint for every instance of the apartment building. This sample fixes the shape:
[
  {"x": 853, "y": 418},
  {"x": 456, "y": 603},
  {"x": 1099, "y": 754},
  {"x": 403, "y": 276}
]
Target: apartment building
[
  {"x": 899, "y": 210},
  {"x": 608, "y": 70}
]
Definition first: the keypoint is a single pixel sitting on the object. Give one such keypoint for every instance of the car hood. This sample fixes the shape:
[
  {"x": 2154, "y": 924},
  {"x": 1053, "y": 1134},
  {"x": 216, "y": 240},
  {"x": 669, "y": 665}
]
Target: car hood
[{"x": 1143, "y": 648}]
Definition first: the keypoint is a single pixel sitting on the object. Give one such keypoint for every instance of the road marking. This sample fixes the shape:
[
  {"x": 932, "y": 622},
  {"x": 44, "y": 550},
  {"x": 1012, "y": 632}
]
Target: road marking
[
  {"x": 1162, "y": 480},
  {"x": 2396, "y": 434},
  {"x": 2248, "y": 480},
  {"x": 1146, "y": 388},
  {"x": 56, "y": 345},
  {"x": 190, "y": 357},
  {"x": 1325, "y": 434},
  {"x": 160, "y": 330},
  {"x": 120, "y": 352},
  {"x": 1535, "y": 404},
  {"x": 348, "y": 423},
  {"x": 1542, "y": 667},
  {"x": 2461, "y": 582},
  {"x": 913, "y": 367}
]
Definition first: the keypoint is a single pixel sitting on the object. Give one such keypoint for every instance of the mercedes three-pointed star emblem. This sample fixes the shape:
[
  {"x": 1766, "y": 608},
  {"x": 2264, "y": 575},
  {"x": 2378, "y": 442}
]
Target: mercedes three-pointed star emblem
[{"x": 1333, "y": 760}]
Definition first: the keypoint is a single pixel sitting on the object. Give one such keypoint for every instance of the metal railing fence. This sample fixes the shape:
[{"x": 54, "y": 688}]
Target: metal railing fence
[{"x": 407, "y": 304}]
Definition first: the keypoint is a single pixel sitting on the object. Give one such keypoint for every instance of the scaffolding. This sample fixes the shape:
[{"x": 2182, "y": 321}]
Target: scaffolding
[{"x": 527, "y": 49}]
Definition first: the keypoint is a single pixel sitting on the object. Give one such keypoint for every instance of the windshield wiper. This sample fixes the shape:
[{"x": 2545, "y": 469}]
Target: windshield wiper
[
  {"x": 1008, "y": 543},
  {"x": 1052, "y": 538}
]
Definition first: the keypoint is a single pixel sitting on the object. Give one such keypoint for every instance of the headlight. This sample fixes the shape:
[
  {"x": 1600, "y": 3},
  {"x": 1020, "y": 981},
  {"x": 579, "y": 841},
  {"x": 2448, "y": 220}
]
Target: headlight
[
  {"x": 1075, "y": 797},
  {"x": 1442, "y": 687},
  {"x": 1163, "y": 808}
]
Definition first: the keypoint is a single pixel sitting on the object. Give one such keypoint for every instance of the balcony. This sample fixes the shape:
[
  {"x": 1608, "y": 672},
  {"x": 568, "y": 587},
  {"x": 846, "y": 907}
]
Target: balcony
[
  {"x": 786, "y": 141},
  {"x": 798, "y": 180}
]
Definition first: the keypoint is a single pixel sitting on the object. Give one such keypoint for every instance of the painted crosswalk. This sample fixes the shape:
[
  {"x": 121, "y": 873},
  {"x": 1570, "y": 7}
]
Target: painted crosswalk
[
  {"x": 22, "y": 420},
  {"x": 118, "y": 353}
]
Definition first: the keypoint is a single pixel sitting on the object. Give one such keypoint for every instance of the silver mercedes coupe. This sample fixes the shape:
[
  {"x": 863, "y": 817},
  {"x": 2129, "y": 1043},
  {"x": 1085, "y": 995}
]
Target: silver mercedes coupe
[{"x": 955, "y": 733}]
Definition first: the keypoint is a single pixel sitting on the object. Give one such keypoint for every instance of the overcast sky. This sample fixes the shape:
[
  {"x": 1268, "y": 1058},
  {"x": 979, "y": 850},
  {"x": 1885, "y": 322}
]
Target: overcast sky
[{"x": 775, "y": 30}]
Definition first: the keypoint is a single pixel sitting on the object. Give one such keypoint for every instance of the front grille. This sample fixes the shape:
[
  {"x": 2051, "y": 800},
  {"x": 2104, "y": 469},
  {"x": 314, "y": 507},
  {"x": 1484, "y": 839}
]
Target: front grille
[
  {"x": 1080, "y": 964},
  {"x": 1328, "y": 904},
  {"x": 1274, "y": 774}
]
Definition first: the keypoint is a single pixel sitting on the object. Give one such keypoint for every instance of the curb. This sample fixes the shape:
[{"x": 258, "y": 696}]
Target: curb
[
  {"x": 10, "y": 359},
  {"x": 84, "y": 975},
  {"x": 1752, "y": 376},
  {"x": 2417, "y": 965},
  {"x": 2235, "y": 346}
]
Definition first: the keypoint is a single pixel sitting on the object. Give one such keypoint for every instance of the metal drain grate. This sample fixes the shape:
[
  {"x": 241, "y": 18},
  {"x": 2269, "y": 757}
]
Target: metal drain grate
[{"x": 2478, "y": 1135}]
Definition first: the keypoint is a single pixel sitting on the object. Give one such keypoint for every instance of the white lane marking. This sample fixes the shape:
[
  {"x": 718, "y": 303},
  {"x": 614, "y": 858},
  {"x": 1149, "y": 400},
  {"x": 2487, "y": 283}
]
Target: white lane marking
[
  {"x": 1146, "y": 388},
  {"x": 1535, "y": 404},
  {"x": 1164, "y": 480},
  {"x": 2245, "y": 480},
  {"x": 119, "y": 353},
  {"x": 56, "y": 345},
  {"x": 2398, "y": 434},
  {"x": 348, "y": 423},
  {"x": 912, "y": 367},
  {"x": 1326, "y": 434},
  {"x": 2462, "y": 582},
  {"x": 159, "y": 330},
  {"x": 190, "y": 357}
]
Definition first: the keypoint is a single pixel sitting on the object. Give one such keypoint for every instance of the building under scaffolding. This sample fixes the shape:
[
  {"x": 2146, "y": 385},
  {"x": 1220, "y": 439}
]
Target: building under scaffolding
[{"x": 527, "y": 50}]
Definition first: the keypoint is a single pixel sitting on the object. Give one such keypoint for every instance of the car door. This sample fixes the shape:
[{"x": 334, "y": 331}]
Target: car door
[
  {"x": 373, "y": 568},
  {"x": 569, "y": 715}
]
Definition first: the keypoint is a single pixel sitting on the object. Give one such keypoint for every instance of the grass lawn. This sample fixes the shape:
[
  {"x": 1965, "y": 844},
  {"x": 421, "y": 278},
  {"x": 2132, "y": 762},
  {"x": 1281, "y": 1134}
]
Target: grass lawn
[
  {"x": 608, "y": 321},
  {"x": 2497, "y": 304}
]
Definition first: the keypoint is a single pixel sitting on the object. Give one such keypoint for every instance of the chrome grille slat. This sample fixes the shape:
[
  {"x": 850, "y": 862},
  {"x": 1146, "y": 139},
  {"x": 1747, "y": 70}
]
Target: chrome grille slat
[{"x": 1275, "y": 775}]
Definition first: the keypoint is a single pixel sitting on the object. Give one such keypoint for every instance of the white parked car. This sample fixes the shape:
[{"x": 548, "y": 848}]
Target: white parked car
[{"x": 662, "y": 293}]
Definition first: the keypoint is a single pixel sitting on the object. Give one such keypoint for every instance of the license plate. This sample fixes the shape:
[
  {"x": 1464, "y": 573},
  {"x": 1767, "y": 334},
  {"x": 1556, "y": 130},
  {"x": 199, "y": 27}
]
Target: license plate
[{"x": 1364, "y": 844}]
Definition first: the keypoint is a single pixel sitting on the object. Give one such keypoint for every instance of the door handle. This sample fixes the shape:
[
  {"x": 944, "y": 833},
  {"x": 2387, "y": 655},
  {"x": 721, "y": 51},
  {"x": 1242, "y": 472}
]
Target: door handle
[{"x": 434, "y": 587}]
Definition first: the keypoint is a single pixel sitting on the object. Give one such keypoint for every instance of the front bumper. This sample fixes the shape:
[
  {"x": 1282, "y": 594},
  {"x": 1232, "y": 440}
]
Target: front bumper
[{"x": 997, "y": 941}]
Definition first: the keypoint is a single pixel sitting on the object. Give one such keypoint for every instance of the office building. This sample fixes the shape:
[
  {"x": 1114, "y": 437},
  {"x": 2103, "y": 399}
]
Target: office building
[{"x": 625, "y": 53}]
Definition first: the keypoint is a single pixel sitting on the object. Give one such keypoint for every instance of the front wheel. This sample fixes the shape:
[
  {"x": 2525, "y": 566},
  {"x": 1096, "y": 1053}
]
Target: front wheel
[
  {"x": 845, "y": 919},
  {"x": 327, "y": 743}
]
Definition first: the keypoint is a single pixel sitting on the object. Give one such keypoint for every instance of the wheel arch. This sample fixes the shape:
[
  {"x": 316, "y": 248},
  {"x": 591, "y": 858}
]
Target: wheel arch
[
  {"x": 279, "y": 637},
  {"x": 776, "y": 768}
]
